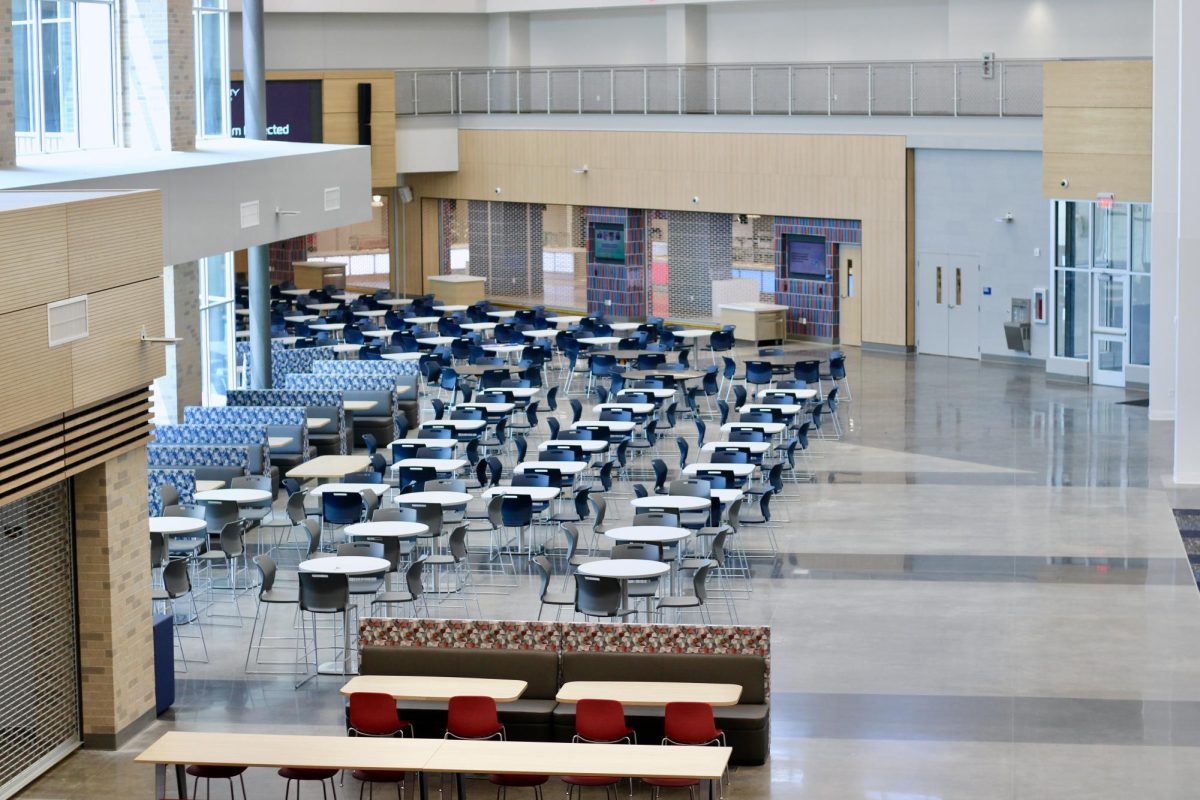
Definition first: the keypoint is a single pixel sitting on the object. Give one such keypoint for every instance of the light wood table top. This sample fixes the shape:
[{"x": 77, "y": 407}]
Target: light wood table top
[
  {"x": 275, "y": 750},
  {"x": 208, "y": 486},
  {"x": 561, "y": 758},
  {"x": 317, "y": 422},
  {"x": 279, "y": 441},
  {"x": 377, "y": 488},
  {"x": 649, "y": 693},
  {"x": 358, "y": 405},
  {"x": 330, "y": 467},
  {"x": 421, "y": 687}
]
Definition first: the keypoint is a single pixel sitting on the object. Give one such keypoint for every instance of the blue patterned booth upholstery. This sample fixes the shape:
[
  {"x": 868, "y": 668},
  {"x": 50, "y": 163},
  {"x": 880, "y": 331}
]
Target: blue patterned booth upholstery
[
  {"x": 286, "y": 359},
  {"x": 184, "y": 481},
  {"x": 355, "y": 382},
  {"x": 219, "y": 462},
  {"x": 255, "y": 435},
  {"x": 289, "y": 397}
]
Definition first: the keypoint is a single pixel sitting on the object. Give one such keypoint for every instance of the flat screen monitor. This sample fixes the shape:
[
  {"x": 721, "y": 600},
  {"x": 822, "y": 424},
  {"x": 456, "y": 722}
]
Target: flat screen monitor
[
  {"x": 804, "y": 256},
  {"x": 293, "y": 110},
  {"x": 608, "y": 242}
]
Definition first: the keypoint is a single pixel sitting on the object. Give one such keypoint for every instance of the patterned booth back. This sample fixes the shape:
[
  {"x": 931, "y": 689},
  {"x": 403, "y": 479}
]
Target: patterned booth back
[
  {"x": 285, "y": 359},
  {"x": 364, "y": 368},
  {"x": 199, "y": 455},
  {"x": 184, "y": 481},
  {"x": 342, "y": 382},
  {"x": 239, "y": 416},
  {"x": 293, "y": 397}
]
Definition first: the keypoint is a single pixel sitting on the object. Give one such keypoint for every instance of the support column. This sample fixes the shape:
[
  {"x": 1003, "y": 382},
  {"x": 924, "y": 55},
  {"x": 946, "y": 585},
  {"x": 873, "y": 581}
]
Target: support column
[
  {"x": 258, "y": 260},
  {"x": 1187, "y": 295},
  {"x": 687, "y": 43},
  {"x": 1165, "y": 219},
  {"x": 185, "y": 325},
  {"x": 8, "y": 131},
  {"x": 508, "y": 40},
  {"x": 116, "y": 652}
]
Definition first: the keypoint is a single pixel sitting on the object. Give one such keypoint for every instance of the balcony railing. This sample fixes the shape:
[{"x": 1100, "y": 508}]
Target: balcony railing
[{"x": 896, "y": 89}]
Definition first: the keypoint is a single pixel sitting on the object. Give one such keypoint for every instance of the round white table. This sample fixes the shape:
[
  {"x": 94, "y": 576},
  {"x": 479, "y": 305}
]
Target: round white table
[
  {"x": 379, "y": 333},
  {"x": 436, "y": 341},
  {"x": 672, "y": 502},
  {"x": 726, "y": 495},
  {"x": 394, "y": 301},
  {"x": 544, "y": 333},
  {"x": 397, "y": 529},
  {"x": 323, "y": 306},
  {"x": 402, "y": 356},
  {"x": 564, "y": 320},
  {"x": 787, "y": 409},
  {"x": 632, "y": 408},
  {"x": 300, "y": 317},
  {"x": 797, "y": 394},
  {"x": 614, "y": 425},
  {"x": 327, "y": 326},
  {"x": 294, "y": 292},
  {"x": 177, "y": 526},
  {"x": 370, "y": 312},
  {"x": 236, "y": 495},
  {"x": 658, "y": 394},
  {"x": 599, "y": 340},
  {"x": 650, "y": 534},
  {"x": 755, "y": 448},
  {"x": 422, "y": 320},
  {"x": 691, "y": 333},
  {"x": 564, "y": 467},
  {"x": 768, "y": 428},
  {"x": 478, "y": 326},
  {"x": 502, "y": 314},
  {"x": 345, "y": 347},
  {"x": 736, "y": 470},
  {"x": 350, "y": 566},
  {"x": 624, "y": 326},
  {"x": 586, "y": 445},
  {"x": 626, "y": 569},
  {"x": 445, "y": 499},
  {"x": 538, "y": 494},
  {"x": 451, "y": 309}
]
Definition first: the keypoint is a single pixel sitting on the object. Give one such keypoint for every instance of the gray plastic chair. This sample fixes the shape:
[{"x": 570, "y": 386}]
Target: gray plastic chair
[
  {"x": 323, "y": 593},
  {"x": 599, "y": 597},
  {"x": 547, "y": 597},
  {"x": 415, "y": 593},
  {"x": 268, "y": 596}
]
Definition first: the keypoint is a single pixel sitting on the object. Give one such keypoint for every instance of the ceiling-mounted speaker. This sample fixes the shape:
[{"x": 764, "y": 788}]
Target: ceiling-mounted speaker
[
  {"x": 364, "y": 113},
  {"x": 406, "y": 195}
]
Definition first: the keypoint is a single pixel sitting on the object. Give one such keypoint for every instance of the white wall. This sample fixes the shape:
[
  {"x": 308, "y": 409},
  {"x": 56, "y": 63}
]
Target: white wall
[
  {"x": 859, "y": 30},
  {"x": 368, "y": 41},
  {"x": 959, "y": 195},
  {"x": 616, "y": 36}
]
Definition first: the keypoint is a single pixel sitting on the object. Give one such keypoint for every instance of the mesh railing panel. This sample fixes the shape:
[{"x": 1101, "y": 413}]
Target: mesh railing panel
[
  {"x": 771, "y": 90},
  {"x": 503, "y": 88},
  {"x": 735, "y": 90},
  {"x": 436, "y": 93},
  {"x": 597, "y": 91},
  {"x": 1022, "y": 90},
  {"x": 628, "y": 91},
  {"x": 891, "y": 86},
  {"x": 39, "y": 703},
  {"x": 977, "y": 95},
  {"x": 851, "y": 90},
  {"x": 933, "y": 88},
  {"x": 810, "y": 90},
  {"x": 564, "y": 92},
  {"x": 662, "y": 90},
  {"x": 473, "y": 92}
]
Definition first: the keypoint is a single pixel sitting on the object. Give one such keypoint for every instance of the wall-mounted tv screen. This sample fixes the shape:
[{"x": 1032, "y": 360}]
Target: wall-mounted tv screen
[
  {"x": 804, "y": 256},
  {"x": 293, "y": 110},
  {"x": 608, "y": 242}
]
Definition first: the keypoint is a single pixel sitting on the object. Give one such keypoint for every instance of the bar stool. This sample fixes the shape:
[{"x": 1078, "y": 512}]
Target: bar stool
[
  {"x": 321, "y": 593},
  {"x": 268, "y": 596}
]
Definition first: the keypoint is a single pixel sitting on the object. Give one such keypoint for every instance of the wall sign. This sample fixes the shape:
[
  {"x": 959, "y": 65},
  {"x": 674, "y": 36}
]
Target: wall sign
[{"x": 293, "y": 111}]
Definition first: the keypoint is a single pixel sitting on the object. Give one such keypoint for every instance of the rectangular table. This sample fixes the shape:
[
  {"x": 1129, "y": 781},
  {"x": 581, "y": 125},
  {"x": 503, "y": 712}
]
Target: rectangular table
[
  {"x": 422, "y": 756},
  {"x": 650, "y": 693},
  {"x": 422, "y": 687},
  {"x": 330, "y": 467}
]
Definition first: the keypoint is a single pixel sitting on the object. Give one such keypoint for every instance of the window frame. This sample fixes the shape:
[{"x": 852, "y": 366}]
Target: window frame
[
  {"x": 207, "y": 307},
  {"x": 218, "y": 9}
]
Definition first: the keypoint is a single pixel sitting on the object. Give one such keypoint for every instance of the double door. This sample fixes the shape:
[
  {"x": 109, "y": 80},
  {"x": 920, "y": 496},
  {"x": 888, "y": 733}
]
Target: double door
[
  {"x": 1110, "y": 327},
  {"x": 948, "y": 305}
]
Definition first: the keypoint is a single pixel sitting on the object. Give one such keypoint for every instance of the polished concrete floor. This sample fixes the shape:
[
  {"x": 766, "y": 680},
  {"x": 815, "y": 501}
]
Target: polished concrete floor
[{"x": 981, "y": 593}]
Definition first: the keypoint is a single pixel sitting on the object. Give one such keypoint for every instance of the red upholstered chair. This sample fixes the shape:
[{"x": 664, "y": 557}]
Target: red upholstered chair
[
  {"x": 599, "y": 721},
  {"x": 691, "y": 723},
  {"x": 374, "y": 714},
  {"x": 470, "y": 717},
  {"x": 302, "y": 774},
  {"x": 534, "y": 782},
  {"x": 199, "y": 771}
]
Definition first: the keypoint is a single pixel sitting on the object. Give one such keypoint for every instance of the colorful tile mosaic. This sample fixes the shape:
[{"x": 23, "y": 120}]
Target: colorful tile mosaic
[{"x": 812, "y": 304}]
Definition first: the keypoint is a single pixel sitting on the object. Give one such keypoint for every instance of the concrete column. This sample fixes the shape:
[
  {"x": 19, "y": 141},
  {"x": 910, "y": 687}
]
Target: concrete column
[
  {"x": 1165, "y": 219},
  {"x": 158, "y": 74},
  {"x": 687, "y": 43},
  {"x": 1187, "y": 294},
  {"x": 258, "y": 258},
  {"x": 508, "y": 40},
  {"x": 8, "y": 135},
  {"x": 183, "y": 360},
  {"x": 116, "y": 653}
]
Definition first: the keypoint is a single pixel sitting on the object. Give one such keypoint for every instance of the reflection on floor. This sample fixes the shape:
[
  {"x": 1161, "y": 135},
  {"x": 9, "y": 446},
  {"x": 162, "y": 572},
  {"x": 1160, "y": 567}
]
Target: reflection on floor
[{"x": 982, "y": 593}]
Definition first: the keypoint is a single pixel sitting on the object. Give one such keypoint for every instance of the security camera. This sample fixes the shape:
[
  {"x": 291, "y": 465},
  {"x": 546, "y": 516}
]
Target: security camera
[
  {"x": 1064, "y": 183},
  {"x": 695, "y": 199},
  {"x": 497, "y": 190}
]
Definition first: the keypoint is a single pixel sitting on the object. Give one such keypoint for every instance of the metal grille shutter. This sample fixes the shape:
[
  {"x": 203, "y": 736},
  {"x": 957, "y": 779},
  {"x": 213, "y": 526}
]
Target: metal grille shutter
[{"x": 39, "y": 680}]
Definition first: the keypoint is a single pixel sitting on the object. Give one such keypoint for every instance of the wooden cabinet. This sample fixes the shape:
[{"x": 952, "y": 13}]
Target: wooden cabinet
[
  {"x": 318, "y": 274},
  {"x": 462, "y": 290},
  {"x": 756, "y": 322}
]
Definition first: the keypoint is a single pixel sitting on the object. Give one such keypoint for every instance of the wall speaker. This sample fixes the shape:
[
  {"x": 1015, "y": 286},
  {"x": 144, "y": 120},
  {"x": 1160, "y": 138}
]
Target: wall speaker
[
  {"x": 406, "y": 195},
  {"x": 364, "y": 113}
]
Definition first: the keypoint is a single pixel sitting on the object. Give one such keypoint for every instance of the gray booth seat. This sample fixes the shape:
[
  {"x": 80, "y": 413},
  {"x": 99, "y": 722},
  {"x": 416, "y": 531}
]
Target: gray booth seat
[
  {"x": 376, "y": 420},
  {"x": 527, "y": 719},
  {"x": 747, "y": 726},
  {"x": 223, "y": 474},
  {"x": 409, "y": 401},
  {"x": 289, "y": 455},
  {"x": 256, "y": 466},
  {"x": 325, "y": 438}
]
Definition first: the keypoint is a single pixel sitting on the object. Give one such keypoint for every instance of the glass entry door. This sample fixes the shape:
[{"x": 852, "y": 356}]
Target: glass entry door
[{"x": 1110, "y": 328}]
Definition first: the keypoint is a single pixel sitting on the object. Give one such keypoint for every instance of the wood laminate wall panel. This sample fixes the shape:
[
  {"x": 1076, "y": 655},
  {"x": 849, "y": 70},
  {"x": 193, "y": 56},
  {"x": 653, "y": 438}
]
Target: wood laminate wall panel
[
  {"x": 113, "y": 359},
  {"x": 1097, "y": 84},
  {"x": 113, "y": 241},
  {"x": 32, "y": 243},
  {"x": 1097, "y": 121},
  {"x": 35, "y": 379},
  {"x": 846, "y": 177}
]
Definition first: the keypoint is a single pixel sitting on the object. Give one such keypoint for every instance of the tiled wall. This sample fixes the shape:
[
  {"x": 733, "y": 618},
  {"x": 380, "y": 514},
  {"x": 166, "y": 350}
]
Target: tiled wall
[
  {"x": 158, "y": 74},
  {"x": 112, "y": 551},
  {"x": 8, "y": 139},
  {"x": 814, "y": 302},
  {"x": 616, "y": 291}
]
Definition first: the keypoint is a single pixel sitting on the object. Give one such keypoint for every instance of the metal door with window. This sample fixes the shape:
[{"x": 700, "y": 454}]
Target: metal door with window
[
  {"x": 850, "y": 281},
  {"x": 1110, "y": 323},
  {"x": 948, "y": 305}
]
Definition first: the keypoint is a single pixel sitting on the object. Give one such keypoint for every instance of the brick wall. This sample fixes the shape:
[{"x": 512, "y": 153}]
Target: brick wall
[
  {"x": 618, "y": 291},
  {"x": 112, "y": 553},
  {"x": 8, "y": 141},
  {"x": 158, "y": 81}
]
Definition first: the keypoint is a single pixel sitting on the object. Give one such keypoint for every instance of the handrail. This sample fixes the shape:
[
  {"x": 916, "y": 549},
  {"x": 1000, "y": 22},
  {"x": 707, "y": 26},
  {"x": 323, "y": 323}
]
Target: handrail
[{"x": 1011, "y": 88}]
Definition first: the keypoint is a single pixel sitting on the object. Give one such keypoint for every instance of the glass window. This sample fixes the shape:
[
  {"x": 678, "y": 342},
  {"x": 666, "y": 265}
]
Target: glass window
[
  {"x": 1112, "y": 237},
  {"x": 1140, "y": 257},
  {"x": 1139, "y": 319},
  {"x": 1072, "y": 222},
  {"x": 216, "y": 326},
  {"x": 1071, "y": 325},
  {"x": 212, "y": 68},
  {"x": 63, "y": 75}
]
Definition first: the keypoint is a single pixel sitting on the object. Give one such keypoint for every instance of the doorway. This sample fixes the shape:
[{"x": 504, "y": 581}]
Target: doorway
[
  {"x": 948, "y": 305},
  {"x": 850, "y": 281},
  {"x": 1111, "y": 323}
]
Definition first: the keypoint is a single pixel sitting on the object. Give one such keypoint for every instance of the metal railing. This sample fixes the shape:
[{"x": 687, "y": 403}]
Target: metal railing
[{"x": 904, "y": 89}]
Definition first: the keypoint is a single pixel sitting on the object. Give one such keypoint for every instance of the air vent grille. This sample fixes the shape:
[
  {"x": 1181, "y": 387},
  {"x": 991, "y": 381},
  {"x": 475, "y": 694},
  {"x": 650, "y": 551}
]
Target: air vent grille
[{"x": 67, "y": 320}]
